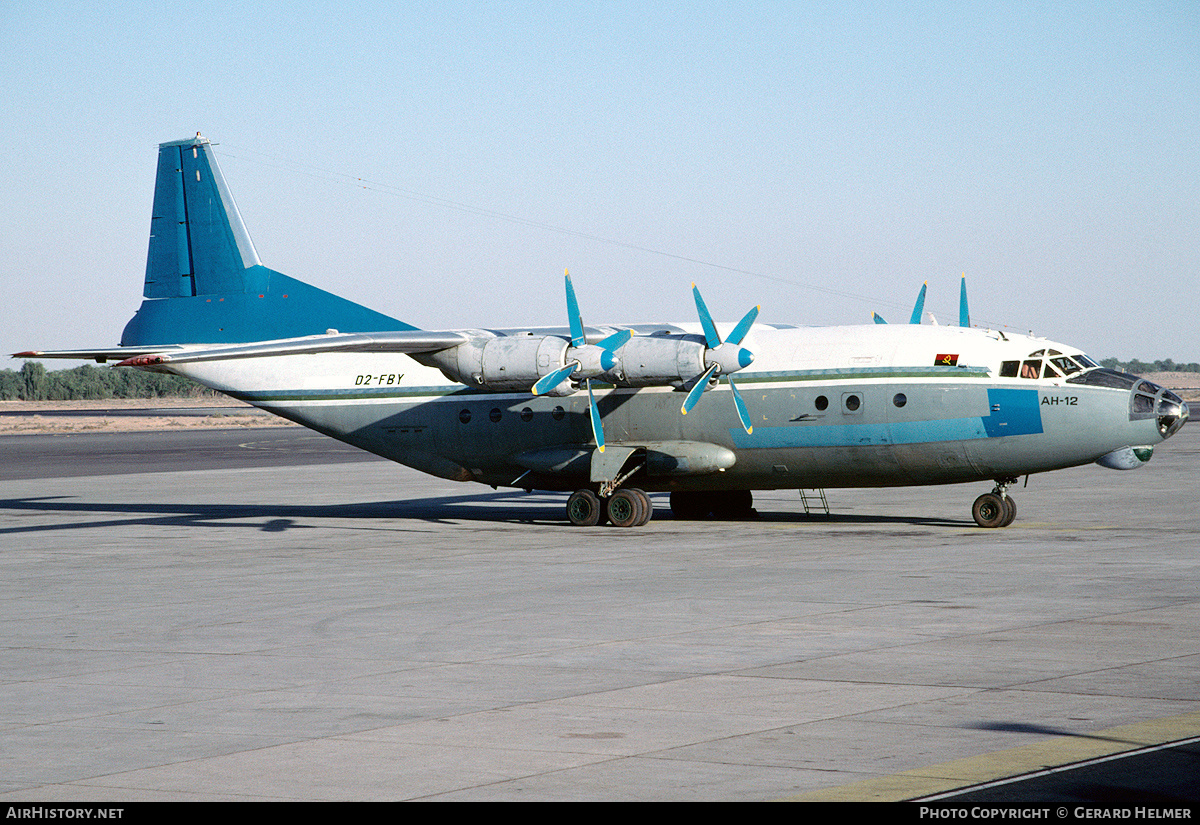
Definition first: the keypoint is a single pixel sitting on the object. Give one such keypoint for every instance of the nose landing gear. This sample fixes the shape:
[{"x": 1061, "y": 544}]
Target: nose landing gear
[{"x": 997, "y": 508}]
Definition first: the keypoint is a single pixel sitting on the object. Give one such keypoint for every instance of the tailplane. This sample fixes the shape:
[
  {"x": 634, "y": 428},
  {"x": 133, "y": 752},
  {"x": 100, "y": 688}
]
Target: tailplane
[{"x": 204, "y": 281}]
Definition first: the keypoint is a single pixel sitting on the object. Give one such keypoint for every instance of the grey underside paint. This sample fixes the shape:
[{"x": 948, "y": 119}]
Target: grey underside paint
[{"x": 946, "y": 432}]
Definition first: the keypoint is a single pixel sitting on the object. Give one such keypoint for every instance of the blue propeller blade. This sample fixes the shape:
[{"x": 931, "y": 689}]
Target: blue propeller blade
[
  {"x": 964, "y": 316},
  {"x": 552, "y": 379},
  {"x": 743, "y": 413},
  {"x": 739, "y": 332},
  {"x": 706, "y": 321},
  {"x": 697, "y": 390},
  {"x": 616, "y": 340},
  {"x": 919, "y": 306},
  {"x": 597, "y": 429},
  {"x": 573, "y": 316},
  {"x": 877, "y": 318}
]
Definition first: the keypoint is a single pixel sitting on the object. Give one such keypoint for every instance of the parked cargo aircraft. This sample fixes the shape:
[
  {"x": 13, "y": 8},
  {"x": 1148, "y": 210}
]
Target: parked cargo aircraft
[{"x": 609, "y": 412}]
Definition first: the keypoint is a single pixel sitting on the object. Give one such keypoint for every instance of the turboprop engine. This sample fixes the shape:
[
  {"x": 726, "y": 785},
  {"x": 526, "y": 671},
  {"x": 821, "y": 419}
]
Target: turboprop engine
[{"x": 553, "y": 365}]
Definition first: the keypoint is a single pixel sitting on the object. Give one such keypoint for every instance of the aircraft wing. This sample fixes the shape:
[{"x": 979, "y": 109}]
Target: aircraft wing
[{"x": 406, "y": 341}]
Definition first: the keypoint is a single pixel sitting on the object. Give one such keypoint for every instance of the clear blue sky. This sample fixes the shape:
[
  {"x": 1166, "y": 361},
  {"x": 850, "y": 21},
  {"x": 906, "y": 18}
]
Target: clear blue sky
[{"x": 817, "y": 160}]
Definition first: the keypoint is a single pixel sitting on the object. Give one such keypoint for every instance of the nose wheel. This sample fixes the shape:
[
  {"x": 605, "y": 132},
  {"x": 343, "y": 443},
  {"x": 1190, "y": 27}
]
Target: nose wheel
[{"x": 997, "y": 508}]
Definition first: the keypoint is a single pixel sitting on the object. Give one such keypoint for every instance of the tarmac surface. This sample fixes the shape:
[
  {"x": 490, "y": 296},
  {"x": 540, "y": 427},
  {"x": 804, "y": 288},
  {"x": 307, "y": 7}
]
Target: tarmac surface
[{"x": 268, "y": 615}]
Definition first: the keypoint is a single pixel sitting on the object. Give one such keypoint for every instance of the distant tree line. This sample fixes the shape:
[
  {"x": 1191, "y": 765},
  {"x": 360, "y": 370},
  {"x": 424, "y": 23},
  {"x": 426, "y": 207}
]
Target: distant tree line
[
  {"x": 1138, "y": 367},
  {"x": 33, "y": 382}
]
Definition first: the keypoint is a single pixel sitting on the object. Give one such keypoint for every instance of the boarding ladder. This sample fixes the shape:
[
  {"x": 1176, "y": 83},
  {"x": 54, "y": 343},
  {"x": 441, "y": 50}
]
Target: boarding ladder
[{"x": 814, "y": 501}]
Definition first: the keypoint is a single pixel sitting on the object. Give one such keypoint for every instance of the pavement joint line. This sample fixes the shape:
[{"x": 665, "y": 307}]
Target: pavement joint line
[{"x": 991, "y": 768}]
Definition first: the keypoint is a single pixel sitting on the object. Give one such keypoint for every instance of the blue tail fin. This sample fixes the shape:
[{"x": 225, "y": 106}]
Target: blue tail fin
[{"x": 204, "y": 281}]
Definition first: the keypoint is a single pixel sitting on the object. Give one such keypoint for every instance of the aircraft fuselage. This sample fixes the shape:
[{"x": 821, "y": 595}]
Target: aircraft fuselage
[{"x": 857, "y": 406}]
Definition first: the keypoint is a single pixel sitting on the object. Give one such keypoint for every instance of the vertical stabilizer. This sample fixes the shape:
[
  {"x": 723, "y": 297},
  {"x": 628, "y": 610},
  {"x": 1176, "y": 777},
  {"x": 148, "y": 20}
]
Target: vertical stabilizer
[
  {"x": 204, "y": 281},
  {"x": 198, "y": 243}
]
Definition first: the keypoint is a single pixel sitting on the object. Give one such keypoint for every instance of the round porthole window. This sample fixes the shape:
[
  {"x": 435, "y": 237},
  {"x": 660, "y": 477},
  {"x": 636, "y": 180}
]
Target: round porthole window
[
  {"x": 853, "y": 402},
  {"x": 527, "y": 415},
  {"x": 900, "y": 399},
  {"x": 557, "y": 413},
  {"x": 822, "y": 403},
  {"x": 495, "y": 415},
  {"x": 465, "y": 416}
]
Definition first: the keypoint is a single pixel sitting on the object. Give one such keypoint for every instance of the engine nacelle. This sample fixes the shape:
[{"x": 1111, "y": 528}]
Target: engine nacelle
[
  {"x": 514, "y": 363},
  {"x": 509, "y": 363},
  {"x": 651, "y": 361}
]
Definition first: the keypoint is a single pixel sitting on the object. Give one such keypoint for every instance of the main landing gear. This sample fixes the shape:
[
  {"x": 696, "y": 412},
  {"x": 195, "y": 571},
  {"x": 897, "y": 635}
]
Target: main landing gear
[
  {"x": 997, "y": 508},
  {"x": 626, "y": 507}
]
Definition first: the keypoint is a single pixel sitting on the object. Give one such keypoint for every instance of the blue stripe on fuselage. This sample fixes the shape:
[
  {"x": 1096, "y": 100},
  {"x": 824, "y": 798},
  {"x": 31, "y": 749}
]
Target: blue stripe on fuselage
[{"x": 1012, "y": 412}]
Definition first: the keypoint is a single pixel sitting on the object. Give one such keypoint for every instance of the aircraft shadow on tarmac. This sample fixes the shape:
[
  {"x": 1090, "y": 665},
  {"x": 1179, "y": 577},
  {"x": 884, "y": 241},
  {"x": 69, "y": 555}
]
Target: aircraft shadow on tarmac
[{"x": 509, "y": 507}]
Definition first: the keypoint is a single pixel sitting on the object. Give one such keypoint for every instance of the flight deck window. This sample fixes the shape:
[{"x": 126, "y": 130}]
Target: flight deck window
[
  {"x": 1065, "y": 365},
  {"x": 1009, "y": 369},
  {"x": 1031, "y": 369}
]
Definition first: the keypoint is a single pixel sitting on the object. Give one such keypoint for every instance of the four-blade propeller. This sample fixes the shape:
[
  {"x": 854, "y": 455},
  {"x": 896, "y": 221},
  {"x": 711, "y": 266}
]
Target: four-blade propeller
[
  {"x": 589, "y": 360},
  {"x": 726, "y": 356}
]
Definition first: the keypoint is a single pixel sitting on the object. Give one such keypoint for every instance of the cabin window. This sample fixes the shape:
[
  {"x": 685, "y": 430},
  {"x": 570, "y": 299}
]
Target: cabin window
[
  {"x": 1009, "y": 369},
  {"x": 852, "y": 402},
  {"x": 465, "y": 416},
  {"x": 495, "y": 415},
  {"x": 526, "y": 415},
  {"x": 900, "y": 399},
  {"x": 822, "y": 403},
  {"x": 557, "y": 413}
]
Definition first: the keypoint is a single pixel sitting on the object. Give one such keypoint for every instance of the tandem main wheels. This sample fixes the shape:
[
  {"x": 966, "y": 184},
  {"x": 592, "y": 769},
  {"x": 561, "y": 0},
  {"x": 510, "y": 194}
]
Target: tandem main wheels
[
  {"x": 626, "y": 507},
  {"x": 994, "y": 509}
]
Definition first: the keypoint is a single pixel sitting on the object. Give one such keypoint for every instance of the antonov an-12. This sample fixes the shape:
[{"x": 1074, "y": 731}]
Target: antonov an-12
[{"x": 706, "y": 412}]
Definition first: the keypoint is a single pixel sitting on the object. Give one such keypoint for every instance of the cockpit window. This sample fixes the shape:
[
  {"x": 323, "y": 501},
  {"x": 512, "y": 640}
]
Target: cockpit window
[
  {"x": 1102, "y": 377},
  {"x": 1049, "y": 363},
  {"x": 1065, "y": 365},
  {"x": 1149, "y": 387},
  {"x": 1143, "y": 404}
]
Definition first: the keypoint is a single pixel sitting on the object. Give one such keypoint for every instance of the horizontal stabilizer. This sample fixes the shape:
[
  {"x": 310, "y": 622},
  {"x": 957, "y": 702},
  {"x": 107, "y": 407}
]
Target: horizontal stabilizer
[{"x": 100, "y": 356}]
